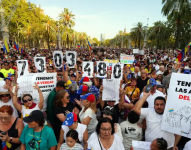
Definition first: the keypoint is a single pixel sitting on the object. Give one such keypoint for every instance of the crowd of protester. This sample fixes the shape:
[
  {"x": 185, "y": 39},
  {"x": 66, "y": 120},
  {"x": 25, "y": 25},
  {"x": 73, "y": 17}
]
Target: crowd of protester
[{"x": 77, "y": 118}]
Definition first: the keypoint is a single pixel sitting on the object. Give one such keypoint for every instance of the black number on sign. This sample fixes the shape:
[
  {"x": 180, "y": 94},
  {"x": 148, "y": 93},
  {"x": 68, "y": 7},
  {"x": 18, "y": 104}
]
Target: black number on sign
[
  {"x": 115, "y": 73},
  {"x": 102, "y": 66},
  {"x": 88, "y": 69},
  {"x": 23, "y": 67},
  {"x": 72, "y": 59},
  {"x": 58, "y": 60},
  {"x": 41, "y": 64}
]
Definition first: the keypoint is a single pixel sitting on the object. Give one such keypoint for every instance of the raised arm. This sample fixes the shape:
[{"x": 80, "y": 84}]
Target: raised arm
[
  {"x": 102, "y": 103},
  {"x": 41, "y": 98},
  {"x": 15, "y": 100}
]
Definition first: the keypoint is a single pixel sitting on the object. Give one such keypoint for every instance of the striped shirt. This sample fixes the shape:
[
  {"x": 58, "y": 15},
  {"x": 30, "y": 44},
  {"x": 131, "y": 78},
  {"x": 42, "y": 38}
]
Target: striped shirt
[{"x": 77, "y": 146}]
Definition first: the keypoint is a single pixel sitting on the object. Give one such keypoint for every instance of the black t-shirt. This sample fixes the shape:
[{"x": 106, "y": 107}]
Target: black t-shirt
[
  {"x": 62, "y": 110},
  {"x": 141, "y": 83}
]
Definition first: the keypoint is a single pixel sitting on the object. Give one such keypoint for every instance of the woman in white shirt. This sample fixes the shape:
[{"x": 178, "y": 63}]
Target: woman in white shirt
[
  {"x": 88, "y": 113},
  {"x": 104, "y": 137}
]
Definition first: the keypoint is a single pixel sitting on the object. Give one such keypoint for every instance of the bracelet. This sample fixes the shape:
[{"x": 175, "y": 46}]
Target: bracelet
[{"x": 10, "y": 139}]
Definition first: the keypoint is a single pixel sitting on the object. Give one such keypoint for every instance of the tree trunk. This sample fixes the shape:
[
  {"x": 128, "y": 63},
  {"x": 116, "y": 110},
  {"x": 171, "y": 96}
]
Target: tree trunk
[
  {"x": 139, "y": 41},
  {"x": 48, "y": 38},
  {"x": 178, "y": 32}
]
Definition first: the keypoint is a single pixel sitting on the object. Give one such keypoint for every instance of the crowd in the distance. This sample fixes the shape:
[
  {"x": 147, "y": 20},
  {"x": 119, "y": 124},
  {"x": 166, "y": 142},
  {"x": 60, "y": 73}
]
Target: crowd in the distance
[{"x": 77, "y": 118}]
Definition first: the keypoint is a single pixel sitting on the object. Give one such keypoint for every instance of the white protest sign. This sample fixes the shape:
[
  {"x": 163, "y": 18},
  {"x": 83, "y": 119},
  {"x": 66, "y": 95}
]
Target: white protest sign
[
  {"x": 2, "y": 84},
  {"x": 40, "y": 64},
  {"x": 87, "y": 68},
  {"x": 111, "y": 89},
  {"x": 177, "y": 113},
  {"x": 26, "y": 84},
  {"x": 135, "y": 51},
  {"x": 46, "y": 82},
  {"x": 117, "y": 71},
  {"x": 140, "y": 145},
  {"x": 58, "y": 59},
  {"x": 101, "y": 69},
  {"x": 71, "y": 59},
  {"x": 141, "y": 52},
  {"x": 127, "y": 59},
  {"x": 22, "y": 67}
]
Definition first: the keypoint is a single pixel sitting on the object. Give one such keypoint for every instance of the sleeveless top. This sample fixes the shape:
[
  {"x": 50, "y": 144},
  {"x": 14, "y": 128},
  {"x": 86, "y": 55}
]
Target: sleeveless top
[{"x": 12, "y": 132}]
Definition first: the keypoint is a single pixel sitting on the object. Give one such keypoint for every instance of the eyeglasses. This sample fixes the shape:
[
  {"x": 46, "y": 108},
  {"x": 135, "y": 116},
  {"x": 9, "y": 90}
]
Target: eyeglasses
[
  {"x": 25, "y": 101},
  {"x": 106, "y": 130},
  {"x": 4, "y": 118},
  {"x": 5, "y": 95},
  {"x": 6, "y": 65}
]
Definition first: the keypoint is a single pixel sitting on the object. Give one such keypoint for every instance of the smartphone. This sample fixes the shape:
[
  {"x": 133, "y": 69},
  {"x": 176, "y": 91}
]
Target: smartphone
[
  {"x": 4, "y": 132},
  {"x": 148, "y": 88}
]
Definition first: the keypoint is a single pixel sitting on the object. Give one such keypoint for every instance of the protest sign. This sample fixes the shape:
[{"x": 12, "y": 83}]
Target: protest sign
[
  {"x": 2, "y": 84},
  {"x": 141, "y": 52},
  {"x": 58, "y": 59},
  {"x": 176, "y": 117},
  {"x": 117, "y": 71},
  {"x": 71, "y": 58},
  {"x": 87, "y": 68},
  {"x": 22, "y": 67},
  {"x": 135, "y": 51},
  {"x": 101, "y": 69},
  {"x": 40, "y": 64},
  {"x": 127, "y": 59},
  {"x": 111, "y": 61},
  {"x": 110, "y": 89},
  {"x": 140, "y": 145}
]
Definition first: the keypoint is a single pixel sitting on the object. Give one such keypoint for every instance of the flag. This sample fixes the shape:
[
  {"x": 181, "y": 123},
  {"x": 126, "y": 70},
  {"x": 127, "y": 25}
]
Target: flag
[
  {"x": 89, "y": 45},
  {"x": 182, "y": 53},
  {"x": 16, "y": 46},
  {"x": 81, "y": 47},
  {"x": 78, "y": 45},
  {"x": 6, "y": 47}
]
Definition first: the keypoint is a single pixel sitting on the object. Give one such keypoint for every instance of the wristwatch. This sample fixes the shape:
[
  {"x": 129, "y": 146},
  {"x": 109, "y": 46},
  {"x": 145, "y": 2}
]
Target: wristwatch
[{"x": 10, "y": 139}]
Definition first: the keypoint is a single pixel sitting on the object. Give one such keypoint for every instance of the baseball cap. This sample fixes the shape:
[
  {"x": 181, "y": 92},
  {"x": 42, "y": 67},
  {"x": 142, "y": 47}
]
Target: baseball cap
[
  {"x": 186, "y": 71},
  {"x": 61, "y": 84},
  {"x": 90, "y": 97},
  {"x": 83, "y": 88},
  {"x": 108, "y": 110},
  {"x": 70, "y": 119},
  {"x": 129, "y": 76},
  {"x": 8, "y": 78},
  {"x": 35, "y": 115},
  {"x": 73, "y": 75},
  {"x": 152, "y": 82}
]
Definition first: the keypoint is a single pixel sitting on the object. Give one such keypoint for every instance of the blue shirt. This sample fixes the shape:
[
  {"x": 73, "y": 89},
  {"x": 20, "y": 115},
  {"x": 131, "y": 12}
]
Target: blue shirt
[
  {"x": 73, "y": 96},
  {"x": 45, "y": 138}
]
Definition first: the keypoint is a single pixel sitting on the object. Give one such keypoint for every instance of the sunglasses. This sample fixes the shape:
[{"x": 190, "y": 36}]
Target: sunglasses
[
  {"x": 25, "y": 101},
  {"x": 5, "y": 95},
  {"x": 170, "y": 67},
  {"x": 68, "y": 97}
]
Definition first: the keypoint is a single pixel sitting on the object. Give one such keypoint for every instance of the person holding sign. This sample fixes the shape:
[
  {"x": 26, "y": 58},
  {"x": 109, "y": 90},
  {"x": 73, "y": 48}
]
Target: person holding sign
[
  {"x": 153, "y": 118},
  {"x": 28, "y": 102}
]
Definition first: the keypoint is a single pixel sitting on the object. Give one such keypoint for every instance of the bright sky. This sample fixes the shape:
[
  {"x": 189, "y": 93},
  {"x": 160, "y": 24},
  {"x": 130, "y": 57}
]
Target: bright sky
[{"x": 105, "y": 16}]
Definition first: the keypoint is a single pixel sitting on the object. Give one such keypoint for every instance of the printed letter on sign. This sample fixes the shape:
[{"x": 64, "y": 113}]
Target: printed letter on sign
[
  {"x": 22, "y": 67},
  {"x": 58, "y": 58},
  {"x": 101, "y": 69},
  {"x": 87, "y": 69},
  {"x": 71, "y": 58},
  {"x": 40, "y": 64},
  {"x": 117, "y": 71}
]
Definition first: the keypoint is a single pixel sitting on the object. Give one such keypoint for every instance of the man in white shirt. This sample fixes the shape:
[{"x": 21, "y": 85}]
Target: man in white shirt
[
  {"x": 153, "y": 118},
  {"x": 154, "y": 93}
]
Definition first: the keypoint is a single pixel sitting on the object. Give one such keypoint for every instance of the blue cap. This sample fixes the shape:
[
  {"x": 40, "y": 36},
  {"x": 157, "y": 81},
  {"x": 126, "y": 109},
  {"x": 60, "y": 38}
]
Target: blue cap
[
  {"x": 90, "y": 97},
  {"x": 70, "y": 119},
  {"x": 8, "y": 78},
  {"x": 10, "y": 74},
  {"x": 186, "y": 71},
  {"x": 152, "y": 82},
  {"x": 135, "y": 61},
  {"x": 83, "y": 88},
  {"x": 129, "y": 76}
]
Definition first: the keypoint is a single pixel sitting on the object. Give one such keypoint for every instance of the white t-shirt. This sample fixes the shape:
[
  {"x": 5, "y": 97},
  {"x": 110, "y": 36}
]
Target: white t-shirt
[
  {"x": 187, "y": 146},
  {"x": 10, "y": 103},
  {"x": 80, "y": 129},
  {"x": 93, "y": 122},
  {"x": 93, "y": 143},
  {"x": 153, "y": 131},
  {"x": 151, "y": 98},
  {"x": 26, "y": 112},
  {"x": 159, "y": 72},
  {"x": 130, "y": 132},
  {"x": 77, "y": 146}
]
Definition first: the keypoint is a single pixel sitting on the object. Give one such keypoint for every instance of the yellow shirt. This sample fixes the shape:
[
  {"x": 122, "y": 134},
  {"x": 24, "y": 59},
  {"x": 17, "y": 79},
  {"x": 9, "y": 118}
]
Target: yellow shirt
[
  {"x": 136, "y": 93},
  {"x": 6, "y": 72},
  {"x": 148, "y": 71},
  {"x": 132, "y": 69}
]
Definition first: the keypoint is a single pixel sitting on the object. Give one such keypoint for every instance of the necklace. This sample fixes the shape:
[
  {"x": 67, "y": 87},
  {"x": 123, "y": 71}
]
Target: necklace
[{"x": 40, "y": 138}]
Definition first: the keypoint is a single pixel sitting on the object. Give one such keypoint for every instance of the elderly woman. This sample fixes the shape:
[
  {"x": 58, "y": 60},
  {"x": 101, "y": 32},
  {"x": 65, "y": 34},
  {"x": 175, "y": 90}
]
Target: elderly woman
[
  {"x": 10, "y": 128},
  {"x": 62, "y": 106},
  {"x": 104, "y": 137},
  {"x": 72, "y": 123},
  {"x": 36, "y": 135},
  {"x": 88, "y": 113}
]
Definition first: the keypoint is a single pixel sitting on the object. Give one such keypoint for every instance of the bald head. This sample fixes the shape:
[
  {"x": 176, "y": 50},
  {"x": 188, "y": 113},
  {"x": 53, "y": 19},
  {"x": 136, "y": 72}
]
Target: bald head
[{"x": 161, "y": 68}]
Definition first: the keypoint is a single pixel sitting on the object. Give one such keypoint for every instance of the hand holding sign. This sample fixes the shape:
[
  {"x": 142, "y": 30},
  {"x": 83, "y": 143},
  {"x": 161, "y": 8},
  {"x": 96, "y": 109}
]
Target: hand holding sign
[
  {"x": 22, "y": 67},
  {"x": 40, "y": 64},
  {"x": 87, "y": 69},
  {"x": 117, "y": 71},
  {"x": 101, "y": 69},
  {"x": 58, "y": 59},
  {"x": 71, "y": 58}
]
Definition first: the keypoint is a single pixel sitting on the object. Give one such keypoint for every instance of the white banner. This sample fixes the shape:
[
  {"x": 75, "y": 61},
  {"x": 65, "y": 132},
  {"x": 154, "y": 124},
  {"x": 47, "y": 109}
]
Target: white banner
[
  {"x": 87, "y": 68},
  {"x": 22, "y": 67},
  {"x": 141, "y": 52},
  {"x": 71, "y": 58},
  {"x": 117, "y": 71},
  {"x": 127, "y": 59},
  {"x": 135, "y": 51},
  {"x": 101, "y": 69},
  {"x": 111, "y": 89},
  {"x": 177, "y": 114},
  {"x": 2, "y": 84},
  {"x": 40, "y": 64},
  {"x": 58, "y": 59}
]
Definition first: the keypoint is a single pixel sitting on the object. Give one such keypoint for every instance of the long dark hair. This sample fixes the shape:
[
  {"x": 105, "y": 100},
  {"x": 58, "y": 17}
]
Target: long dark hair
[
  {"x": 59, "y": 96},
  {"x": 74, "y": 135}
]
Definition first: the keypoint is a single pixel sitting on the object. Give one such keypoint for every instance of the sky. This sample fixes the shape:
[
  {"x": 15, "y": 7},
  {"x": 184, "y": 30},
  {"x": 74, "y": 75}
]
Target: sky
[{"x": 96, "y": 17}]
